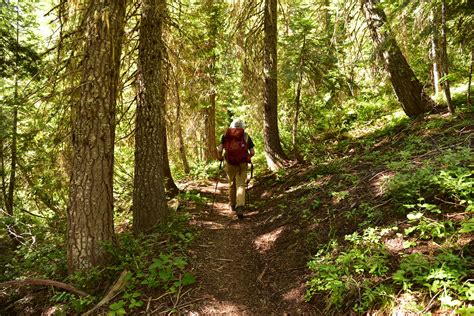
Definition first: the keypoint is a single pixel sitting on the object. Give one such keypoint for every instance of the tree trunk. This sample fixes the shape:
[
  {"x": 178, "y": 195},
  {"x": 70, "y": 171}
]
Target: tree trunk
[
  {"x": 10, "y": 193},
  {"x": 170, "y": 186},
  {"x": 12, "y": 181},
  {"x": 435, "y": 51},
  {"x": 2, "y": 170},
  {"x": 408, "y": 89},
  {"x": 445, "y": 63},
  {"x": 273, "y": 150},
  {"x": 182, "y": 148},
  {"x": 90, "y": 214},
  {"x": 210, "y": 129},
  {"x": 470, "y": 79},
  {"x": 149, "y": 203},
  {"x": 294, "y": 131},
  {"x": 210, "y": 112}
]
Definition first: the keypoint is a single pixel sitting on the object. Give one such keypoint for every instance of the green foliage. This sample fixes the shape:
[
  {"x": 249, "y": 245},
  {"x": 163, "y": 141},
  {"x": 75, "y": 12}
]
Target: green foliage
[
  {"x": 41, "y": 253},
  {"x": 193, "y": 196},
  {"x": 434, "y": 189},
  {"x": 444, "y": 274},
  {"x": 341, "y": 274},
  {"x": 165, "y": 271},
  {"x": 78, "y": 304},
  {"x": 449, "y": 174},
  {"x": 203, "y": 170}
]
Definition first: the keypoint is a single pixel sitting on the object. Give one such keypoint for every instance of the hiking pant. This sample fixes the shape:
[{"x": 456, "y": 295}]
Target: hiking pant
[{"x": 237, "y": 176}]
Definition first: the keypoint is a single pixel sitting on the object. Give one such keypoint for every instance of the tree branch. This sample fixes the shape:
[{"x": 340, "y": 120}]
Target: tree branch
[{"x": 64, "y": 286}]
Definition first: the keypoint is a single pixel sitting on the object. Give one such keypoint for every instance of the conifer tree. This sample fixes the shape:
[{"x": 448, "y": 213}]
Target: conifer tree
[
  {"x": 149, "y": 204},
  {"x": 90, "y": 213}
]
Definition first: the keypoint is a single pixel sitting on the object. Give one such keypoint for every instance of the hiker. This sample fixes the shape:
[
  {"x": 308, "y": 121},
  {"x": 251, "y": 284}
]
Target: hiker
[{"x": 239, "y": 149}]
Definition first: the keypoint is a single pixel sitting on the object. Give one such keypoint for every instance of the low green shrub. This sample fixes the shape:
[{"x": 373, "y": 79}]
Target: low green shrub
[{"x": 352, "y": 275}]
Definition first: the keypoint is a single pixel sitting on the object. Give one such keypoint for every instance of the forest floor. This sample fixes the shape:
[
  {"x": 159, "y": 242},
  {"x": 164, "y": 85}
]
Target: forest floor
[
  {"x": 258, "y": 265},
  {"x": 252, "y": 266}
]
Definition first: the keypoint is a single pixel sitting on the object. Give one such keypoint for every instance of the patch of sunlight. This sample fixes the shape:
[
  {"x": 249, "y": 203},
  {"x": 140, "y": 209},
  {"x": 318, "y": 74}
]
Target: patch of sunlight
[
  {"x": 315, "y": 183},
  {"x": 375, "y": 125},
  {"x": 297, "y": 187},
  {"x": 379, "y": 182},
  {"x": 221, "y": 307},
  {"x": 295, "y": 294},
  {"x": 208, "y": 224},
  {"x": 459, "y": 89},
  {"x": 265, "y": 242},
  {"x": 221, "y": 208},
  {"x": 406, "y": 304}
]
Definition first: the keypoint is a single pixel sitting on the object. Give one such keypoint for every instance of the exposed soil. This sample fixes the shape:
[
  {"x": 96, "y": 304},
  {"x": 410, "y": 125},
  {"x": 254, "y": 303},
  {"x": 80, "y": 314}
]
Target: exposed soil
[{"x": 253, "y": 266}]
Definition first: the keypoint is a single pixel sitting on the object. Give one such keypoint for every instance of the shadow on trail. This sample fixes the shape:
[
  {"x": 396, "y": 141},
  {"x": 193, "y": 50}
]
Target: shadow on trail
[{"x": 233, "y": 263}]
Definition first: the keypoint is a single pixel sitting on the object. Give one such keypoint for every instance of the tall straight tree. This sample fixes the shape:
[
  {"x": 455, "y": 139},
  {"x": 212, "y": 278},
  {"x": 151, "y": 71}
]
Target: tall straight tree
[
  {"x": 273, "y": 150},
  {"x": 435, "y": 50},
  {"x": 212, "y": 21},
  {"x": 408, "y": 89},
  {"x": 90, "y": 214},
  {"x": 445, "y": 63},
  {"x": 149, "y": 204}
]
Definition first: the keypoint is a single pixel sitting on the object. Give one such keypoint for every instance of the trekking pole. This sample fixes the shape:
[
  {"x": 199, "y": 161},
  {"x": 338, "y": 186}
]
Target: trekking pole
[
  {"x": 215, "y": 190},
  {"x": 247, "y": 185}
]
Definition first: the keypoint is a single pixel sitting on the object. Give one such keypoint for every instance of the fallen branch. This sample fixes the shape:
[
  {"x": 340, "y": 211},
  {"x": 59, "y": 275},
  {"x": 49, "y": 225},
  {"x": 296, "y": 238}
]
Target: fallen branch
[
  {"x": 61, "y": 285},
  {"x": 118, "y": 286}
]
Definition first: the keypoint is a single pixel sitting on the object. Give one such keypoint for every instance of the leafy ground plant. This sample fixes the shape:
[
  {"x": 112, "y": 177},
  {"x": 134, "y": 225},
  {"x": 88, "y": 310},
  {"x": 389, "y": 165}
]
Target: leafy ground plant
[{"x": 352, "y": 276}]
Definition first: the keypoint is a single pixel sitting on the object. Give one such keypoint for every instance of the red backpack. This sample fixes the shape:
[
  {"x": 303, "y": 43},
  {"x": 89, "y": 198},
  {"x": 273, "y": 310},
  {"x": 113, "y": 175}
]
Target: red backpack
[{"x": 235, "y": 146}]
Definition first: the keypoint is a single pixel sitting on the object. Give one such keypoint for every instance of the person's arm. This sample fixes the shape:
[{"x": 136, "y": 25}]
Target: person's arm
[
  {"x": 251, "y": 152},
  {"x": 251, "y": 147},
  {"x": 220, "y": 148}
]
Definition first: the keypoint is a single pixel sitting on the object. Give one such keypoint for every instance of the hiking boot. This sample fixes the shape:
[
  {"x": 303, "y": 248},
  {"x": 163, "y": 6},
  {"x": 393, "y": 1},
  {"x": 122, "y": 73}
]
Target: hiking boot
[{"x": 240, "y": 212}]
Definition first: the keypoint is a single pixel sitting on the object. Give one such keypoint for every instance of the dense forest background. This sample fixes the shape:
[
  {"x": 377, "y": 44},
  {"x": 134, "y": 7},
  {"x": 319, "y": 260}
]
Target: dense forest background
[{"x": 111, "y": 110}]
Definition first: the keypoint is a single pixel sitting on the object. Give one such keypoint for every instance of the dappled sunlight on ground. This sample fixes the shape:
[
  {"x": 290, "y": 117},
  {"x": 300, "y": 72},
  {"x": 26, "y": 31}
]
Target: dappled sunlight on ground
[
  {"x": 295, "y": 294},
  {"x": 377, "y": 124},
  {"x": 379, "y": 182},
  {"x": 208, "y": 224},
  {"x": 221, "y": 208},
  {"x": 265, "y": 242},
  {"x": 216, "y": 307}
]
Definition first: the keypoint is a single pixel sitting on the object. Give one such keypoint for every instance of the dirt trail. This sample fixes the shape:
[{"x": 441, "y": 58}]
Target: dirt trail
[{"x": 235, "y": 271}]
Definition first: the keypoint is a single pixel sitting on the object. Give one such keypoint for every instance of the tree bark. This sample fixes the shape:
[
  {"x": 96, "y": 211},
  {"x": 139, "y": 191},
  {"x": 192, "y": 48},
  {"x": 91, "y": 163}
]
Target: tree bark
[
  {"x": 445, "y": 63},
  {"x": 2, "y": 170},
  {"x": 210, "y": 111},
  {"x": 294, "y": 131},
  {"x": 13, "y": 161},
  {"x": 470, "y": 79},
  {"x": 170, "y": 186},
  {"x": 90, "y": 213},
  {"x": 435, "y": 51},
  {"x": 408, "y": 89},
  {"x": 210, "y": 129},
  {"x": 273, "y": 150},
  {"x": 182, "y": 147},
  {"x": 149, "y": 203}
]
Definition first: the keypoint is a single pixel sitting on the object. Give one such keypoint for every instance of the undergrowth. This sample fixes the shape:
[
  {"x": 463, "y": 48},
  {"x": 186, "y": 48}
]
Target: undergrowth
[
  {"x": 153, "y": 265},
  {"x": 416, "y": 239}
]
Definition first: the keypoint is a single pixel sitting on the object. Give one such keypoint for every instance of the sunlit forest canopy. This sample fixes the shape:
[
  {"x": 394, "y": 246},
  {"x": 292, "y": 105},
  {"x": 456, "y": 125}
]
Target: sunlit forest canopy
[{"x": 113, "y": 116}]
